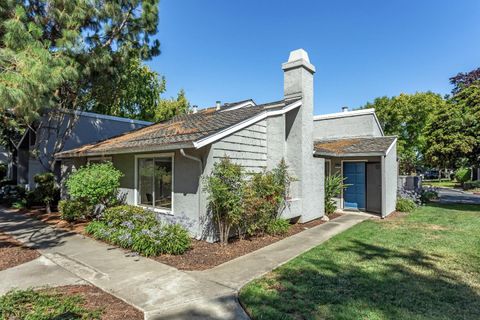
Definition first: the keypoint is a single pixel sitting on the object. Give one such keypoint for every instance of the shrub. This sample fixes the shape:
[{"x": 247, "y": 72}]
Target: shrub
[
  {"x": 138, "y": 229},
  {"x": 278, "y": 227},
  {"x": 72, "y": 210},
  {"x": 20, "y": 204},
  {"x": 471, "y": 184},
  {"x": 333, "y": 187},
  {"x": 3, "y": 171},
  {"x": 225, "y": 195},
  {"x": 46, "y": 190},
  {"x": 462, "y": 175},
  {"x": 428, "y": 195},
  {"x": 95, "y": 184},
  {"x": 11, "y": 193},
  {"x": 405, "y": 205}
]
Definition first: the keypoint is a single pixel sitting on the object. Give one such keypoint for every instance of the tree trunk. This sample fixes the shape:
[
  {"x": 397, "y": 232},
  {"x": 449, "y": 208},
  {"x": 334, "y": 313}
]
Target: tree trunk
[{"x": 48, "y": 209}]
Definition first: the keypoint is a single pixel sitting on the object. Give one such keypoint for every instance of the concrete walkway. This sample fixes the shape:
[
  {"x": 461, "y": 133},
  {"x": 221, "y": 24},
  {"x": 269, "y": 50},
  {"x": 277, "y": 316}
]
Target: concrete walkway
[{"x": 161, "y": 291}]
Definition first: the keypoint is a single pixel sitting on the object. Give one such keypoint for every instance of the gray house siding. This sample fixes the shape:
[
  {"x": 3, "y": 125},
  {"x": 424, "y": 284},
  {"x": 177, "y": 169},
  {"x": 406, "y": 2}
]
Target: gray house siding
[
  {"x": 390, "y": 178},
  {"x": 345, "y": 127},
  {"x": 247, "y": 147}
]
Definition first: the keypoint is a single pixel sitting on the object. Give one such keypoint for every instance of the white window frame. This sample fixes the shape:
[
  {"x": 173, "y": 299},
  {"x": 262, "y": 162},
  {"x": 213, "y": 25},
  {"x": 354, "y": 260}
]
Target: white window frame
[
  {"x": 108, "y": 158},
  {"x": 136, "y": 191}
]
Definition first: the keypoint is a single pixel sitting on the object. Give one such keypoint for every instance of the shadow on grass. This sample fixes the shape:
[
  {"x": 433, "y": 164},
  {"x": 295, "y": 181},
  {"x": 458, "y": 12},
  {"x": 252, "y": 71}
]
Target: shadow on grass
[{"x": 378, "y": 283}]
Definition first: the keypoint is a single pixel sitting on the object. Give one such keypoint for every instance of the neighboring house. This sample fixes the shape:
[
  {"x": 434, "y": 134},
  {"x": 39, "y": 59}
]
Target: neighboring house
[
  {"x": 88, "y": 127},
  {"x": 163, "y": 164}
]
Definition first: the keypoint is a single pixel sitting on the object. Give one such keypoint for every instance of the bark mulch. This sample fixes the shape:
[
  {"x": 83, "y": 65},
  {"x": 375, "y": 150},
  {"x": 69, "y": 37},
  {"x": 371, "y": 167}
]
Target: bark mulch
[
  {"x": 54, "y": 220},
  {"x": 94, "y": 299},
  {"x": 204, "y": 255},
  {"x": 13, "y": 253}
]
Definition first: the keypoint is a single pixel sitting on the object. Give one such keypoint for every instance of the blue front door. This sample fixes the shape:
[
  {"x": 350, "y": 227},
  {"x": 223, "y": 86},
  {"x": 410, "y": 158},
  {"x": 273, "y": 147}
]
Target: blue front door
[{"x": 354, "y": 194}]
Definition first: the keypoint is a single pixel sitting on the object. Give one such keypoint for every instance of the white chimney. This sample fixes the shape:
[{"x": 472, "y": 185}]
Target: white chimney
[
  {"x": 195, "y": 109},
  {"x": 218, "y": 104},
  {"x": 344, "y": 109}
]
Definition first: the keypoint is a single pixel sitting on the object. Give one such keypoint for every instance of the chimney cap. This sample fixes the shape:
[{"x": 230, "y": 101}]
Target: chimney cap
[
  {"x": 345, "y": 109},
  {"x": 298, "y": 58},
  {"x": 218, "y": 104},
  {"x": 195, "y": 109}
]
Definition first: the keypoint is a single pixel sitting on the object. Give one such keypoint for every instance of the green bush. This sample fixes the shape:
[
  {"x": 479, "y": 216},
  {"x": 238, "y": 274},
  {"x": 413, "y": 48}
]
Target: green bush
[
  {"x": 405, "y": 205},
  {"x": 471, "y": 184},
  {"x": 11, "y": 193},
  {"x": 42, "y": 305},
  {"x": 46, "y": 190},
  {"x": 462, "y": 175},
  {"x": 138, "y": 229},
  {"x": 428, "y": 195},
  {"x": 334, "y": 184},
  {"x": 20, "y": 204},
  {"x": 95, "y": 184},
  {"x": 278, "y": 227},
  {"x": 73, "y": 210}
]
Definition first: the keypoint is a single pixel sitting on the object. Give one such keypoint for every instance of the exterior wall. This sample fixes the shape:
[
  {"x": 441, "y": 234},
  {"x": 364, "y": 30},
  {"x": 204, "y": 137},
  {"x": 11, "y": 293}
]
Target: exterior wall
[
  {"x": 86, "y": 130},
  {"x": 247, "y": 147},
  {"x": 389, "y": 181},
  {"x": 344, "y": 127},
  {"x": 275, "y": 140}
]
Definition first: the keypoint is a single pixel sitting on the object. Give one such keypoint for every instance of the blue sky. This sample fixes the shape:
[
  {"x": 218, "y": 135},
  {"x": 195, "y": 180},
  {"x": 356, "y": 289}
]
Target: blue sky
[{"x": 233, "y": 50}]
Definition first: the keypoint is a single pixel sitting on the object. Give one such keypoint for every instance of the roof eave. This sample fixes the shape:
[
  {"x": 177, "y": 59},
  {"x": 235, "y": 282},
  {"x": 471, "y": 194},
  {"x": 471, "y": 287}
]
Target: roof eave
[{"x": 348, "y": 155}]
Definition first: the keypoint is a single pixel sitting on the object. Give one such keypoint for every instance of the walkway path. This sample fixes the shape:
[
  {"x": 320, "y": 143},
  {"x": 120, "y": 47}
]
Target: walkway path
[
  {"x": 449, "y": 195},
  {"x": 161, "y": 291}
]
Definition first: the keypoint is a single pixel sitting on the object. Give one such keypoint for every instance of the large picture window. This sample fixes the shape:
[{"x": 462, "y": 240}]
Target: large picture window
[{"x": 155, "y": 182}]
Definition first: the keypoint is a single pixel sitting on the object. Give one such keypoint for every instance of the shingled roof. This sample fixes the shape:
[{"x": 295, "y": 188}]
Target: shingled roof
[
  {"x": 353, "y": 146},
  {"x": 179, "y": 132}
]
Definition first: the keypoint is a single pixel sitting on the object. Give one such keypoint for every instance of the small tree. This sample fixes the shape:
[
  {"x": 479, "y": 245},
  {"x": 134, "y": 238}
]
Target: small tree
[
  {"x": 333, "y": 186},
  {"x": 95, "y": 184},
  {"x": 46, "y": 189},
  {"x": 225, "y": 194}
]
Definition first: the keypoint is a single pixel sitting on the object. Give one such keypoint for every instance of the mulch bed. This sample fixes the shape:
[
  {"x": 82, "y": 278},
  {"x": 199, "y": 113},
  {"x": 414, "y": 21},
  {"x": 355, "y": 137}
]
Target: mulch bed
[
  {"x": 113, "y": 308},
  {"x": 54, "y": 220},
  {"x": 204, "y": 255},
  {"x": 13, "y": 253}
]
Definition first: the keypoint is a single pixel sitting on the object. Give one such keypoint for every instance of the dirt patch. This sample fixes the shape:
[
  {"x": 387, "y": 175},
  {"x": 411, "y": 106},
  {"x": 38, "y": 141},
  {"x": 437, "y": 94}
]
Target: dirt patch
[
  {"x": 94, "y": 299},
  {"x": 204, "y": 255},
  {"x": 54, "y": 220},
  {"x": 395, "y": 215},
  {"x": 13, "y": 253}
]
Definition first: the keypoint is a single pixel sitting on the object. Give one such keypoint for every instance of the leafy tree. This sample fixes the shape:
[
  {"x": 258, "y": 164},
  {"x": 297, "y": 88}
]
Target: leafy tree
[
  {"x": 406, "y": 116},
  {"x": 57, "y": 55},
  {"x": 464, "y": 79},
  {"x": 168, "y": 108}
]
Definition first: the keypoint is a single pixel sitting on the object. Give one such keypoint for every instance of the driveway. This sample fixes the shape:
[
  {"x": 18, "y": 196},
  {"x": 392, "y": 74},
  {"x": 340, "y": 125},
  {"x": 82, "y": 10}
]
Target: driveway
[
  {"x": 160, "y": 291},
  {"x": 449, "y": 195}
]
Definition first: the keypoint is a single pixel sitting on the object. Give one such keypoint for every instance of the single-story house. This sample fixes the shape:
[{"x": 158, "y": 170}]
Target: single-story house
[
  {"x": 163, "y": 164},
  {"x": 88, "y": 127}
]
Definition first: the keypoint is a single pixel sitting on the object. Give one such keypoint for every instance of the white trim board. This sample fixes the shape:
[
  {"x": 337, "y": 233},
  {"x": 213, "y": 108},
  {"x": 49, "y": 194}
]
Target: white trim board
[
  {"x": 344, "y": 114},
  {"x": 230, "y": 130},
  {"x": 241, "y": 105}
]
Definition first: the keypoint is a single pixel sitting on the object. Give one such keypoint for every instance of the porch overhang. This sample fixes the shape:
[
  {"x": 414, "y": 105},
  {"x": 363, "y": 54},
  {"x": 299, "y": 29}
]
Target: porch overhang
[{"x": 354, "y": 147}]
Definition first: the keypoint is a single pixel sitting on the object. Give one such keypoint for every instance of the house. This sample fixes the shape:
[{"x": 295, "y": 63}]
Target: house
[
  {"x": 257, "y": 137},
  {"x": 88, "y": 127}
]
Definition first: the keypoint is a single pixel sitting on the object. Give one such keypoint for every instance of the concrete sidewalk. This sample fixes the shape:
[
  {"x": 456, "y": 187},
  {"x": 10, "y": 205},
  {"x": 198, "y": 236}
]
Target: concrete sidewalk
[{"x": 161, "y": 291}]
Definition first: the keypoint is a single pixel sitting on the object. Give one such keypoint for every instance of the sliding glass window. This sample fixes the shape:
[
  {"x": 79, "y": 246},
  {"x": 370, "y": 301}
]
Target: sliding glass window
[{"x": 155, "y": 182}]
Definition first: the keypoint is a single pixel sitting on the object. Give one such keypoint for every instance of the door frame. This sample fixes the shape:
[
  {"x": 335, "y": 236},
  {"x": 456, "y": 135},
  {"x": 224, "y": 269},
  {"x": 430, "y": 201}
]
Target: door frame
[{"x": 341, "y": 172}]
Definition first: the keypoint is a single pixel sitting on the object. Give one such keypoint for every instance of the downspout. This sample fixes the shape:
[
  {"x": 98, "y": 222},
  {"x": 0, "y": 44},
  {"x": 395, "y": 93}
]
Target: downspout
[{"x": 200, "y": 165}]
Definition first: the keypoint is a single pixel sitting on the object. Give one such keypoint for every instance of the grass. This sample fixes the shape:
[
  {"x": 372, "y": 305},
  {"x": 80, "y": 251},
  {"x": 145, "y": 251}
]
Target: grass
[
  {"x": 443, "y": 183},
  {"x": 43, "y": 305},
  {"x": 425, "y": 265}
]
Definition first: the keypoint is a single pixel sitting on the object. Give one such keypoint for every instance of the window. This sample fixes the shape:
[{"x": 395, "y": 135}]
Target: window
[{"x": 155, "y": 182}]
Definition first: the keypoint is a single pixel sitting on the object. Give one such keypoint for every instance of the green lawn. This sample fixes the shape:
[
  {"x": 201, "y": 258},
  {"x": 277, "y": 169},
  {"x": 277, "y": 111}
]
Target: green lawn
[
  {"x": 443, "y": 183},
  {"x": 425, "y": 265}
]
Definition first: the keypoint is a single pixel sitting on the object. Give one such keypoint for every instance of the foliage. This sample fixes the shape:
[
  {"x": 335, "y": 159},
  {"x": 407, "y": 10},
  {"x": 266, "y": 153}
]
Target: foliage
[
  {"x": 73, "y": 210},
  {"x": 468, "y": 185},
  {"x": 428, "y": 194},
  {"x": 11, "y": 193},
  {"x": 225, "y": 196},
  {"x": 464, "y": 79},
  {"x": 462, "y": 175},
  {"x": 95, "y": 184},
  {"x": 432, "y": 249},
  {"x": 277, "y": 227},
  {"x": 46, "y": 189},
  {"x": 168, "y": 108},
  {"x": 138, "y": 229},
  {"x": 334, "y": 185},
  {"x": 405, "y": 205},
  {"x": 407, "y": 116},
  {"x": 19, "y": 204},
  {"x": 3, "y": 171},
  {"x": 43, "y": 305}
]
